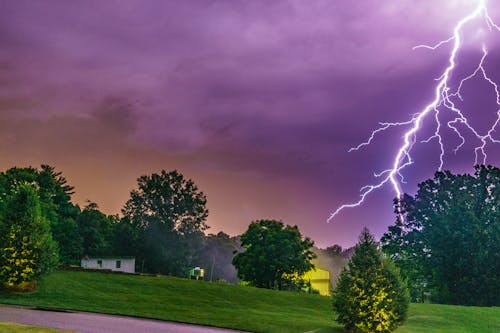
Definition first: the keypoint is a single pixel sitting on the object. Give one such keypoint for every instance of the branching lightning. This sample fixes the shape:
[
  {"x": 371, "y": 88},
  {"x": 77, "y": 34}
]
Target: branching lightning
[{"x": 445, "y": 100}]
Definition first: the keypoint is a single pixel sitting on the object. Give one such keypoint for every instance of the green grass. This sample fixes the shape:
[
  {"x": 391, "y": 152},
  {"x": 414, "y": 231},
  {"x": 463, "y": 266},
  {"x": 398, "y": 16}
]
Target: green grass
[
  {"x": 438, "y": 318},
  {"x": 182, "y": 300},
  {"x": 18, "y": 328},
  {"x": 230, "y": 306}
]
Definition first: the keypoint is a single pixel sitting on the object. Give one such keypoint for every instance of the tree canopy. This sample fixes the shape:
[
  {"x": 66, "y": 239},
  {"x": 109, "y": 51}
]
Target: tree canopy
[
  {"x": 55, "y": 204},
  {"x": 447, "y": 238},
  {"x": 274, "y": 254},
  {"x": 96, "y": 230},
  {"x": 168, "y": 215},
  {"x": 167, "y": 199}
]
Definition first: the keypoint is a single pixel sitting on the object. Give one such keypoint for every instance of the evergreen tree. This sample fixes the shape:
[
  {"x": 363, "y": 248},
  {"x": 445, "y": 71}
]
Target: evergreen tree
[
  {"x": 370, "y": 296},
  {"x": 27, "y": 249},
  {"x": 56, "y": 195},
  {"x": 55, "y": 204}
]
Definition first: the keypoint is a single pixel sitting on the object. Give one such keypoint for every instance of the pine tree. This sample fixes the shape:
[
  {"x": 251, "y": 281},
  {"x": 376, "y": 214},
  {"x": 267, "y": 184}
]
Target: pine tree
[
  {"x": 370, "y": 296},
  {"x": 26, "y": 246}
]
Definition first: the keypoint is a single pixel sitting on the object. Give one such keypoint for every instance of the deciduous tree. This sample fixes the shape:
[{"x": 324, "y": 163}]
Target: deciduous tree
[
  {"x": 96, "y": 231},
  {"x": 169, "y": 214},
  {"x": 274, "y": 254},
  {"x": 447, "y": 239}
]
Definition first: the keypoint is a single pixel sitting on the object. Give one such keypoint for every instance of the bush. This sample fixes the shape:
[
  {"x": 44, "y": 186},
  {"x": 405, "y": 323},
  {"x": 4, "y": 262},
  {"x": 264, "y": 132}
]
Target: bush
[{"x": 370, "y": 295}]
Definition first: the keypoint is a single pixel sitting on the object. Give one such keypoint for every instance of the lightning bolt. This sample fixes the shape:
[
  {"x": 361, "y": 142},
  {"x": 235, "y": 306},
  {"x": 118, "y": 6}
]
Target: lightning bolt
[{"x": 445, "y": 100}]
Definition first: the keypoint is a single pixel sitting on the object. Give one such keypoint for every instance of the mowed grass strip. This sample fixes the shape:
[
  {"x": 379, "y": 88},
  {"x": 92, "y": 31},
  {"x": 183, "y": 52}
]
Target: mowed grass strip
[
  {"x": 230, "y": 306},
  {"x": 437, "y": 318},
  {"x": 183, "y": 300},
  {"x": 18, "y": 328}
]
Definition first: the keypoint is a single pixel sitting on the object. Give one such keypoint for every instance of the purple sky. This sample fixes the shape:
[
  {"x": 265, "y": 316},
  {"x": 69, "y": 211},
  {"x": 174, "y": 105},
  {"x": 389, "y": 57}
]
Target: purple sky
[{"x": 256, "y": 101}]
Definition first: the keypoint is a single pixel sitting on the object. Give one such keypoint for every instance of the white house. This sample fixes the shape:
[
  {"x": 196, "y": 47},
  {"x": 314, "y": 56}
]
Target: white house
[{"x": 121, "y": 264}]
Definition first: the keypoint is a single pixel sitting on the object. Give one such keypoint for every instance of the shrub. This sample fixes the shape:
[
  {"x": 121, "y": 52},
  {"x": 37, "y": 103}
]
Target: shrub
[{"x": 370, "y": 295}]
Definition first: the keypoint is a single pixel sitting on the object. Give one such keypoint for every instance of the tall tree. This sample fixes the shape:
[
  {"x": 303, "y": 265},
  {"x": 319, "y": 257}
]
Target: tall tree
[
  {"x": 169, "y": 214},
  {"x": 274, "y": 253},
  {"x": 96, "y": 230},
  {"x": 370, "y": 296},
  {"x": 126, "y": 238},
  {"x": 55, "y": 204},
  {"x": 447, "y": 239},
  {"x": 27, "y": 249}
]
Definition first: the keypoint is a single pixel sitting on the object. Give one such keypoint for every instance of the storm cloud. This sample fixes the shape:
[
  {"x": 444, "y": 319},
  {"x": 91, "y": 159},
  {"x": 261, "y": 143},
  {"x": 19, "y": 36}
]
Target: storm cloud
[{"x": 257, "y": 101}]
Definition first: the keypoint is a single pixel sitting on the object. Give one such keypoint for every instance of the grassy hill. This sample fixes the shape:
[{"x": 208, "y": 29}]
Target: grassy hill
[{"x": 230, "y": 306}]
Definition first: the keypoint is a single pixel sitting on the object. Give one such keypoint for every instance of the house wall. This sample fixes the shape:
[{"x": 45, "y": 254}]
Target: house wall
[
  {"x": 127, "y": 264},
  {"x": 320, "y": 280},
  {"x": 323, "y": 286}
]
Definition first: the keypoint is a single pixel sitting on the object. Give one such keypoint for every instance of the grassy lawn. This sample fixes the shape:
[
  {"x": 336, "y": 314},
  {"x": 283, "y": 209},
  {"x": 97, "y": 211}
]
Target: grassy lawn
[
  {"x": 18, "y": 328},
  {"x": 228, "y": 306},
  {"x": 438, "y": 318}
]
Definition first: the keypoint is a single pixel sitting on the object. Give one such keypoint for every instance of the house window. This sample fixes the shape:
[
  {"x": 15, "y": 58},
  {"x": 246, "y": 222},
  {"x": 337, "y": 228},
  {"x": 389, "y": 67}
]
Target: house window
[
  {"x": 118, "y": 264},
  {"x": 99, "y": 263}
]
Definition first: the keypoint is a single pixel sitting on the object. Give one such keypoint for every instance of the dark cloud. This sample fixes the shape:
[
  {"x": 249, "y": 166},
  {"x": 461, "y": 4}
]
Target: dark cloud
[
  {"x": 116, "y": 113},
  {"x": 257, "y": 101}
]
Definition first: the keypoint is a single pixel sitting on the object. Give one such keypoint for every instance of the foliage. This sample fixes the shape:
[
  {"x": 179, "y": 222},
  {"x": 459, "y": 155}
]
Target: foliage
[
  {"x": 55, "y": 204},
  {"x": 125, "y": 238},
  {"x": 167, "y": 252},
  {"x": 446, "y": 240},
  {"x": 56, "y": 193},
  {"x": 273, "y": 253},
  {"x": 96, "y": 231},
  {"x": 27, "y": 249},
  {"x": 370, "y": 296},
  {"x": 334, "y": 250},
  {"x": 167, "y": 213}
]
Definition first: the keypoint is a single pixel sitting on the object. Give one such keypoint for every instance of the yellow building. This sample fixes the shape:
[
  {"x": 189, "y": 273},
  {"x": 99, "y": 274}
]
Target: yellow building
[{"x": 319, "y": 279}]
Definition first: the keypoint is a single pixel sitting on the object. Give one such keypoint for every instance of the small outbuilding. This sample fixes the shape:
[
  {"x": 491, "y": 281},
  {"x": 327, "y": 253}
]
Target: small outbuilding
[
  {"x": 196, "y": 273},
  {"x": 119, "y": 264},
  {"x": 319, "y": 279}
]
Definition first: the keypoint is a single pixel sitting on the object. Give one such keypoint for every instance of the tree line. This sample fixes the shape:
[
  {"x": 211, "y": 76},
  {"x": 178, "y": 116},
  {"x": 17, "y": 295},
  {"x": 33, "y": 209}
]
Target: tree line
[
  {"x": 162, "y": 225},
  {"x": 445, "y": 240}
]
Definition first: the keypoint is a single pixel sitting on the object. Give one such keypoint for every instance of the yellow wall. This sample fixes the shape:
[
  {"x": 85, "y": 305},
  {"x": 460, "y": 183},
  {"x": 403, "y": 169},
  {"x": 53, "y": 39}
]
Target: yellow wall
[{"x": 320, "y": 280}]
